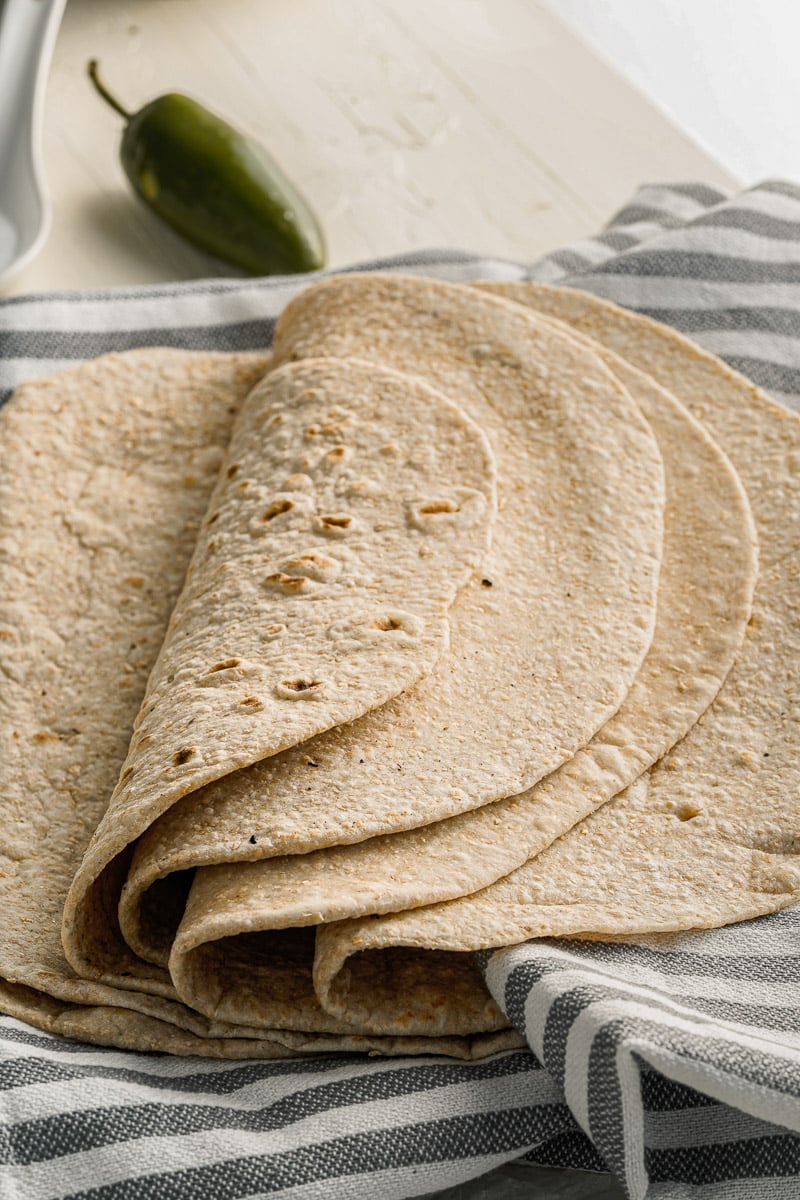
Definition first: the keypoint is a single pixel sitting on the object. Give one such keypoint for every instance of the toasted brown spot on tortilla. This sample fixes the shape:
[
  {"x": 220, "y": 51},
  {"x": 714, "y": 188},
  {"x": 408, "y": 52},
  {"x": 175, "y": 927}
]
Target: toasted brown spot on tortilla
[
  {"x": 438, "y": 506},
  {"x": 387, "y": 623},
  {"x": 300, "y": 686},
  {"x": 314, "y": 566},
  {"x": 224, "y": 666},
  {"x": 276, "y": 509},
  {"x": 333, "y": 522},
  {"x": 287, "y": 583}
]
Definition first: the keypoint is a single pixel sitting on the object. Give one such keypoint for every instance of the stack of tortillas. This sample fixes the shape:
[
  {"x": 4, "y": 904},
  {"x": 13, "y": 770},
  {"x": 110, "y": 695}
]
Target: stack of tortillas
[{"x": 470, "y": 615}]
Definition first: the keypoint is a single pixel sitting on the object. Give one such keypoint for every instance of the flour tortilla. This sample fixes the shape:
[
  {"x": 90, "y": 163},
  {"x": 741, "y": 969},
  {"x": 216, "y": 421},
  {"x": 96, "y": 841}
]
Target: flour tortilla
[
  {"x": 710, "y": 835},
  {"x": 352, "y": 505},
  {"x": 772, "y": 482},
  {"x": 708, "y": 573},
  {"x": 544, "y": 646},
  {"x": 105, "y": 477}
]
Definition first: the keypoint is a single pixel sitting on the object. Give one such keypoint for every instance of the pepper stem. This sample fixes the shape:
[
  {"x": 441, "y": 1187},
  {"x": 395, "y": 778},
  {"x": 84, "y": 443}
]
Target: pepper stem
[{"x": 92, "y": 72}]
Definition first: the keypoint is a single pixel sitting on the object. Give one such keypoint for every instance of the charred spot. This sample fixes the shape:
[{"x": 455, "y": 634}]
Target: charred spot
[
  {"x": 386, "y": 623},
  {"x": 251, "y": 703},
  {"x": 276, "y": 509},
  {"x": 182, "y": 756},
  {"x": 213, "y": 519},
  {"x": 301, "y": 685},
  {"x": 232, "y": 471},
  {"x": 226, "y": 665},
  {"x": 312, "y": 559},
  {"x": 438, "y": 506},
  {"x": 332, "y": 522},
  {"x": 288, "y": 583},
  {"x": 312, "y": 566},
  {"x": 486, "y": 583}
]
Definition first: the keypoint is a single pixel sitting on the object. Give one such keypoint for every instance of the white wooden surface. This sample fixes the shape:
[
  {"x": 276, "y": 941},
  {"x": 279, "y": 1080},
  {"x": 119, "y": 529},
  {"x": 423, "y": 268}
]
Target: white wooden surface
[
  {"x": 732, "y": 82},
  {"x": 483, "y": 124}
]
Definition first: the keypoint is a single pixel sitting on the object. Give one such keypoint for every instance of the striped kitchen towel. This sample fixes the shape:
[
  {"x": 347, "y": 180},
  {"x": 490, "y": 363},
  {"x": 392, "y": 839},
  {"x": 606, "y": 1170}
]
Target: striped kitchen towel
[{"x": 674, "y": 1064}]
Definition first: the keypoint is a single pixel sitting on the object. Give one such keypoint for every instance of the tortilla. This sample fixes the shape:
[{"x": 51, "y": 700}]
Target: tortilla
[
  {"x": 352, "y": 505},
  {"x": 369, "y": 976},
  {"x": 710, "y": 835},
  {"x": 543, "y": 645},
  {"x": 706, "y": 582},
  {"x": 118, "y": 459}
]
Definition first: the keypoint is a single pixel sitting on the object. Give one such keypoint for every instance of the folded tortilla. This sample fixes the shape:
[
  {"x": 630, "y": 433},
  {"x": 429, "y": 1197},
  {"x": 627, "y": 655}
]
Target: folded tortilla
[
  {"x": 543, "y": 645},
  {"x": 105, "y": 481},
  {"x": 710, "y": 834},
  {"x": 335, "y": 543},
  {"x": 706, "y": 582},
  {"x": 708, "y": 573},
  {"x": 253, "y": 982}
]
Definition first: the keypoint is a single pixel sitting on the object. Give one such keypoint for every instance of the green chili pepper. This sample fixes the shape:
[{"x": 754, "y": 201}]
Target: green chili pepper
[{"x": 219, "y": 189}]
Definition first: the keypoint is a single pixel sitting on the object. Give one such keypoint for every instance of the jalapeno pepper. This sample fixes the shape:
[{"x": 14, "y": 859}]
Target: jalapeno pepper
[{"x": 220, "y": 190}]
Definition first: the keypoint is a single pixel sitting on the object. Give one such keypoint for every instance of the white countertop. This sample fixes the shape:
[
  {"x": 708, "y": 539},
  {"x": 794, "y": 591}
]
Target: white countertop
[
  {"x": 482, "y": 124},
  {"x": 732, "y": 82}
]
